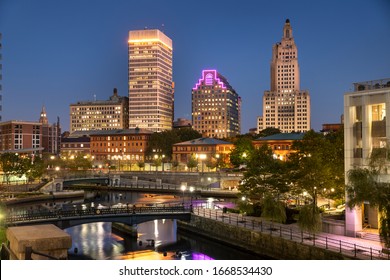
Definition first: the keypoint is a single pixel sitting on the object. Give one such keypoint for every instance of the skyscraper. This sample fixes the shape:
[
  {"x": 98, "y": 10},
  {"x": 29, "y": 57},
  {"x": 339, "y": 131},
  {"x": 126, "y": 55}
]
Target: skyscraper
[
  {"x": 216, "y": 106},
  {"x": 285, "y": 105},
  {"x": 1, "y": 77},
  {"x": 151, "y": 93}
]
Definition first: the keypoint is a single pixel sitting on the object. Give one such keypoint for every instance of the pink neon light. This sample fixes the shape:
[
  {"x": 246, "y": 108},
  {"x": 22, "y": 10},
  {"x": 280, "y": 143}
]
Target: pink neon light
[{"x": 207, "y": 80}]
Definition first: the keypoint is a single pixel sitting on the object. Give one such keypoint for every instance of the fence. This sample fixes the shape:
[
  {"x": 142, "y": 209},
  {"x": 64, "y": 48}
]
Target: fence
[{"x": 294, "y": 234}]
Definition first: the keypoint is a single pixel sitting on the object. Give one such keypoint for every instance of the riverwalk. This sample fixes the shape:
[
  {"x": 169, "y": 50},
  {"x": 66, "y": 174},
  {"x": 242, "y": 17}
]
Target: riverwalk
[{"x": 350, "y": 247}]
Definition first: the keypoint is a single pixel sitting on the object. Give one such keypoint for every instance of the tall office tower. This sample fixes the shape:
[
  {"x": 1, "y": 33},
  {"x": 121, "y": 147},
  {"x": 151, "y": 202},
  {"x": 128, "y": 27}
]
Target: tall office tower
[
  {"x": 285, "y": 106},
  {"x": 151, "y": 93},
  {"x": 1, "y": 77},
  {"x": 216, "y": 107},
  {"x": 100, "y": 114}
]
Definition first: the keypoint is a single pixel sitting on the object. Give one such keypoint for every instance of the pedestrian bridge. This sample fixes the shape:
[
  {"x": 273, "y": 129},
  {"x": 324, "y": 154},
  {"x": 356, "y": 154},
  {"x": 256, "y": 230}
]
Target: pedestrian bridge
[{"x": 126, "y": 215}]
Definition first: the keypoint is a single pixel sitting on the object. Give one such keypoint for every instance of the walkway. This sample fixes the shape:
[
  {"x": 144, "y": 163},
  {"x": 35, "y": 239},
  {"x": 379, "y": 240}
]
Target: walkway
[{"x": 348, "y": 246}]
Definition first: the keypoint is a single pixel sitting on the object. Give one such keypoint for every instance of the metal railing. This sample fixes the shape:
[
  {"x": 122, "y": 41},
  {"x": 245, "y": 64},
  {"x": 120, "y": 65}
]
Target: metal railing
[
  {"x": 126, "y": 209},
  {"x": 287, "y": 232}
]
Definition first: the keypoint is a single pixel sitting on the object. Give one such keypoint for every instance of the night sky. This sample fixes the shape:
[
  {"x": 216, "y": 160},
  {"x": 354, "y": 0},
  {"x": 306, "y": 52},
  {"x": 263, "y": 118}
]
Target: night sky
[{"x": 57, "y": 52}]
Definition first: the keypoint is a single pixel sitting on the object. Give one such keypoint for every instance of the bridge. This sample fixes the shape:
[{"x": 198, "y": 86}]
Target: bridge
[{"x": 129, "y": 215}]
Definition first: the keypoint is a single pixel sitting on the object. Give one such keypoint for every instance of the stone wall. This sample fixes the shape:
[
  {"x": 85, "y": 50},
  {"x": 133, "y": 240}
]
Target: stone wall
[{"x": 259, "y": 243}]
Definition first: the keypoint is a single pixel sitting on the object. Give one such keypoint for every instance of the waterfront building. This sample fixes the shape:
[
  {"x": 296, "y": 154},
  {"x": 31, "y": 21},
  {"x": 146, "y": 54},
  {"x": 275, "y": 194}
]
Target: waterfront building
[
  {"x": 216, "y": 106},
  {"x": 281, "y": 143},
  {"x": 151, "y": 90},
  {"x": 285, "y": 105},
  {"x": 121, "y": 147},
  {"x": 203, "y": 150},
  {"x": 100, "y": 114},
  {"x": 22, "y": 137},
  {"x": 366, "y": 130}
]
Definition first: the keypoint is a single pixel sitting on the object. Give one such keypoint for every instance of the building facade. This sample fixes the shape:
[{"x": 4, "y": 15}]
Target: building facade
[
  {"x": 216, "y": 106},
  {"x": 22, "y": 137},
  {"x": 281, "y": 143},
  {"x": 366, "y": 129},
  {"x": 1, "y": 77},
  {"x": 122, "y": 147},
  {"x": 51, "y": 134},
  {"x": 285, "y": 105},
  {"x": 151, "y": 90},
  {"x": 203, "y": 150},
  {"x": 100, "y": 114}
]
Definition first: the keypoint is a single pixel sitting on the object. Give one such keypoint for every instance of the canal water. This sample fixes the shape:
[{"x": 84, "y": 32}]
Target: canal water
[{"x": 158, "y": 239}]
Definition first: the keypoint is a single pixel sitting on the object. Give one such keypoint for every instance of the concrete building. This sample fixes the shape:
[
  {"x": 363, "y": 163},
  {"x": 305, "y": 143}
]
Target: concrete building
[
  {"x": 151, "y": 90},
  {"x": 182, "y": 123},
  {"x": 366, "y": 129},
  {"x": 285, "y": 105},
  {"x": 100, "y": 114},
  {"x": 216, "y": 106}
]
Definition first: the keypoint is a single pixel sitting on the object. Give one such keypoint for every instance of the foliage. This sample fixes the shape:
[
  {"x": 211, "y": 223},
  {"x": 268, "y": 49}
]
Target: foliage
[
  {"x": 264, "y": 175},
  {"x": 365, "y": 186},
  {"x": 243, "y": 149},
  {"x": 269, "y": 131},
  {"x": 161, "y": 143},
  {"x": 192, "y": 162},
  {"x": 141, "y": 165},
  {"x": 310, "y": 218},
  {"x": 273, "y": 210}
]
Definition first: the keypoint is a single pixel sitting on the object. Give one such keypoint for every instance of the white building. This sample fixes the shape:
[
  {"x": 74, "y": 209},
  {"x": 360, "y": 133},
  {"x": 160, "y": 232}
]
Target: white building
[{"x": 366, "y": 128}]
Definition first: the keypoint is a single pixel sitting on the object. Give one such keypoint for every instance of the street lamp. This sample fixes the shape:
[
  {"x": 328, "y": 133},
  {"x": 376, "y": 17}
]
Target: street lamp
[
  {"x": 183, "y": 188},
  {"x": 191, "y": 191},
  {"x": 202, "y": 157}
]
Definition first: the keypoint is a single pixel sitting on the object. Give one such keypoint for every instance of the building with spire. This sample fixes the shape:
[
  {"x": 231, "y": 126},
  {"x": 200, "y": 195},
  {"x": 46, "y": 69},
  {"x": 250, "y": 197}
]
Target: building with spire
[
  {"x": 151, "y": 90},
  {"x": 285, "y": 105},
  {"x": 216, "y": 106},
  {"x": 51, "y": 134},
  {"x": 100, "y": 114}
]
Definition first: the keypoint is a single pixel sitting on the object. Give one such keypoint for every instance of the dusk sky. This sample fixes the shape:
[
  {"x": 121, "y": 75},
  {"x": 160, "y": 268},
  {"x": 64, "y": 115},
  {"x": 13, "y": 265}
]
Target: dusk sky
[{"x": 59, "y": 52}]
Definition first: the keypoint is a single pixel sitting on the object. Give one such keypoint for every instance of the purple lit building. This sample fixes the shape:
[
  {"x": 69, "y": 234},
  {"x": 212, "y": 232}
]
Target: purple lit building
[{"x": 216, "y": 106}]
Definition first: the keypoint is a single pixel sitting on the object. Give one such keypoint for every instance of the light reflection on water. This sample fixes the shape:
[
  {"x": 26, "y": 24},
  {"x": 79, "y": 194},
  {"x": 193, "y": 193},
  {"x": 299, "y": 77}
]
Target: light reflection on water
[{"x": 97, "y": 241}]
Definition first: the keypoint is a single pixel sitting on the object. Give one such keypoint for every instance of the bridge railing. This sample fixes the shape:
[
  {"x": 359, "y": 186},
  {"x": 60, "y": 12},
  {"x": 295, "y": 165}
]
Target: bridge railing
[
  {"x": 61, "y": 214},
  {"x": 291, "y": 233}
]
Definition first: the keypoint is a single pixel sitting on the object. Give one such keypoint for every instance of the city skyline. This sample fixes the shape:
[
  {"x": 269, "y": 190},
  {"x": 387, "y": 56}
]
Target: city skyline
[{"x": 55, "y": 54}]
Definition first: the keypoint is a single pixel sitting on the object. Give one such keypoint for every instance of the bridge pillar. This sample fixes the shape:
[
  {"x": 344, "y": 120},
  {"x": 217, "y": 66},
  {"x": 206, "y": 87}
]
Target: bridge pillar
[
  {"x": 131, "y": 230},
  {"x": 115, "y": 180}
]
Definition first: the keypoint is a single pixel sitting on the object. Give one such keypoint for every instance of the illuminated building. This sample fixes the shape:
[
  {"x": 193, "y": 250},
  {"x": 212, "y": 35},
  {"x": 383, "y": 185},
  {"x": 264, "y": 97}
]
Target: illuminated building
[
  {"x": 151, "y": 94},
  {"x": 216, "y": 107},
  {"x": 51, "y": 134},
  {"x": 281, "y": 143},
  {"x": 203, "y": 150},
  {"x": 100, "y": 114},
  {"x": 126, "y": 146},
  {"x": 285, "y": 105},
  {"x": 366, "y": 131}
]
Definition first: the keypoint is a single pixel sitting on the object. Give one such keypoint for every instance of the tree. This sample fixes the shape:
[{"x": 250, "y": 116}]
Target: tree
[
  {"x": 11, "y": 164},
  {"x": 274, "y": 210},
  {"x": 243, "y": 149},
  {"x": 310, "y": 218},
  {"x": 365, "y": 186},
  {"x": 269, "y": 131},
  {"x": 141, "y": 165},
  {"x": 264, "y": 175},
  {"x": 192, "y": 162}
]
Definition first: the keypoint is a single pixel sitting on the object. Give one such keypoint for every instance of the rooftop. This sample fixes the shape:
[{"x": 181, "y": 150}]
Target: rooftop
[
  {"x": 283, "y": 136},
  {"x": 205, "y": 141},
  {"x": 370, "y": 85},
  {"x": 109, "y": 132}
]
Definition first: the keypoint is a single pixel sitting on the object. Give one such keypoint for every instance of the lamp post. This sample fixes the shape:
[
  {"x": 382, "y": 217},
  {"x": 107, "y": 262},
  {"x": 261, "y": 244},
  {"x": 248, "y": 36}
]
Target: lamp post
[
  {"x": 183, "y": 188},
  {"x": 191, "y": 191}
]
